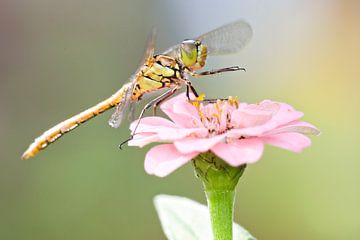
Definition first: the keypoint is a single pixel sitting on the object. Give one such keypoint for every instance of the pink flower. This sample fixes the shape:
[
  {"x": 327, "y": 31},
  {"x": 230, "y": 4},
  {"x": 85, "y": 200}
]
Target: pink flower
[{"x": 234, "y": 132}]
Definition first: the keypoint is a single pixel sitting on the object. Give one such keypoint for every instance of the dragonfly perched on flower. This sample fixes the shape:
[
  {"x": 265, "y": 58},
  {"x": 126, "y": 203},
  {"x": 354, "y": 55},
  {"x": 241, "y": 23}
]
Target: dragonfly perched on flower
[{"x": 169, "y": 70}]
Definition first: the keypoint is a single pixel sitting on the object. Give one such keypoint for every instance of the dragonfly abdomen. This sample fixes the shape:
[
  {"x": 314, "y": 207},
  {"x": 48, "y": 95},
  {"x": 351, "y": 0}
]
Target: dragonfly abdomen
[{"x": 70, "y": 124}]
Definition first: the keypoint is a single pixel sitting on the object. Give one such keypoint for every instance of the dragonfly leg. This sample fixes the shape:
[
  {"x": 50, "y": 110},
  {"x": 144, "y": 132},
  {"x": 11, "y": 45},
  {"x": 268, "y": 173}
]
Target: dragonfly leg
[
  {"x": 206, "y": 73},
  {"x": 221, "y": 70},
  {"x": 189, "y": 87},
  {"x": 214, "y": 100},
  {"x": 157, "y": 104},
  {"x": 210, "y": 100},
  {"x": 147, "y": 106}
]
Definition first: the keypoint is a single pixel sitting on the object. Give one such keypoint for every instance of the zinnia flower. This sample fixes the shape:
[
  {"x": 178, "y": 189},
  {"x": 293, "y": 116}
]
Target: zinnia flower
[{"x": 235, "y": 132}]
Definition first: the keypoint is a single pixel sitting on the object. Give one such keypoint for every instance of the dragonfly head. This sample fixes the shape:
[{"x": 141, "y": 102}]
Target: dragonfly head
[{"x": 193, "y": 54}]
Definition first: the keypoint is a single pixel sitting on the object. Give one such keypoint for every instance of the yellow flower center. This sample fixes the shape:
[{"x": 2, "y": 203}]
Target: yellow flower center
[{"x": 216, "y": 115}]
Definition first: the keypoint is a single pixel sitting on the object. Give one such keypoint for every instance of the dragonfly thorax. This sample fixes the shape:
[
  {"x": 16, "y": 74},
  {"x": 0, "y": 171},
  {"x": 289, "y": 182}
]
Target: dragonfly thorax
[
  {"x": 193, "y": 54},
  {"x": 159, "y": 71}
]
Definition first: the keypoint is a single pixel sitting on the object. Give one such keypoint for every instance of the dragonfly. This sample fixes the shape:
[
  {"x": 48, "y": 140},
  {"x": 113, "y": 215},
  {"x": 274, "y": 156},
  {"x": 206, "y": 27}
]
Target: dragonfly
[{"x": 169, "y": 70}]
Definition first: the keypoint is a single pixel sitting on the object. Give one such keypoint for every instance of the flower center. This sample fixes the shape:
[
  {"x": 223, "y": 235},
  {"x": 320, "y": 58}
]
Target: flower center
[{"x": 216, "y": 114}]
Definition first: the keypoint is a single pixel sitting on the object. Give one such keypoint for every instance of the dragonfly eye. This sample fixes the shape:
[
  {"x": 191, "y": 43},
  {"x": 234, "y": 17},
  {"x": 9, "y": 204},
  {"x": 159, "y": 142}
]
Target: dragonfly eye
[{"x": 188, "y": 52}]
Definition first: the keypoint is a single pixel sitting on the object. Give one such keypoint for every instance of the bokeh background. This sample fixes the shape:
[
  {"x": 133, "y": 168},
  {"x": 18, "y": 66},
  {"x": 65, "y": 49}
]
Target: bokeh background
[{"x": 60, "y": 57}]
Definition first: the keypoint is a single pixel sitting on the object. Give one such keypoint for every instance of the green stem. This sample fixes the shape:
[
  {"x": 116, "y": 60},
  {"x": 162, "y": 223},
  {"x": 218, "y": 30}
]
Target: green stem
[
  {"x": 221, "y": 205},
  {"x": 219, "y": 180}
]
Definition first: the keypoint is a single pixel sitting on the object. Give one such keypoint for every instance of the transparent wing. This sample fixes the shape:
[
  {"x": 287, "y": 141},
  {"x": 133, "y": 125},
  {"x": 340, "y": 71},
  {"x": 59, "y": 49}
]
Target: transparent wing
[
  {"x": 228, "y": 38},
  {"x": 132, "y": 109},
  {"x": 150, "y": 47},
  {"x": 173, "y": 51},
  {"x": 121, "y": 109}
]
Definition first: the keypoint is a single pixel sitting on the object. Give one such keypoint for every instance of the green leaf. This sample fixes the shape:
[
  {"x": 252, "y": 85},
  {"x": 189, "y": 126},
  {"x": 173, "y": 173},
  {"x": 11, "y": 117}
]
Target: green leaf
[{"x": 182, "y": 218}]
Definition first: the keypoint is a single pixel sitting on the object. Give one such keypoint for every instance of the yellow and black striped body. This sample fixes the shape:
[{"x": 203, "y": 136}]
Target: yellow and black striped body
[{"x": 158, "y": 72}]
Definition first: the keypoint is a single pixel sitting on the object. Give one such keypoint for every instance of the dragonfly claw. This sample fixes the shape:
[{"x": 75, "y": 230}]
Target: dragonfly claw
[{"x": 127, "y": 140}]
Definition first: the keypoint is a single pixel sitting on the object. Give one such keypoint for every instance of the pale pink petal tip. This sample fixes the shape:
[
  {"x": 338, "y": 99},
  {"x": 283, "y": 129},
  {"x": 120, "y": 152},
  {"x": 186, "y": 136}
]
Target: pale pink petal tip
[
  {"x": 140, "y": 140},
  {"x": 298, "y": 127},
  {"x": 163, "y": 159},
  {"x": 295, "y": 142}
]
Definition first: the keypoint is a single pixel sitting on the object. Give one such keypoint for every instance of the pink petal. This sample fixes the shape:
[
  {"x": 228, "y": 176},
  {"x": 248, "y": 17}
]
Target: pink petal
[
  {"x": 295, "y": 142},
  {"x": 240, "y": 151},
  {"x": 189, "y": 113},
  {"x": 187, "y": 108},
  {"x": 181, "y": 112},
  {"x": 164, "y": 129},
  {"x": 162, "y": 160},
  {"x": 149, "y": 122},
  {"x": 179, "y": 133},
  {"x": 296, "y": 126},
  {"x": 143, "y": 139},
  {"x": 168, "y": 104},
  {"x": 245, "y": 132},
  {"x": 244, "y": 118},
  {"x": 285, "y": 114},
  {"x": 193, "y": 144},
  {"x": 281, "y": 114}
]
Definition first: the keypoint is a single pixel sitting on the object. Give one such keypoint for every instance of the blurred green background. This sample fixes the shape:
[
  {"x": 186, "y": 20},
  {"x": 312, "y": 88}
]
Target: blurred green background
[{"x": 60, "y": 57}]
